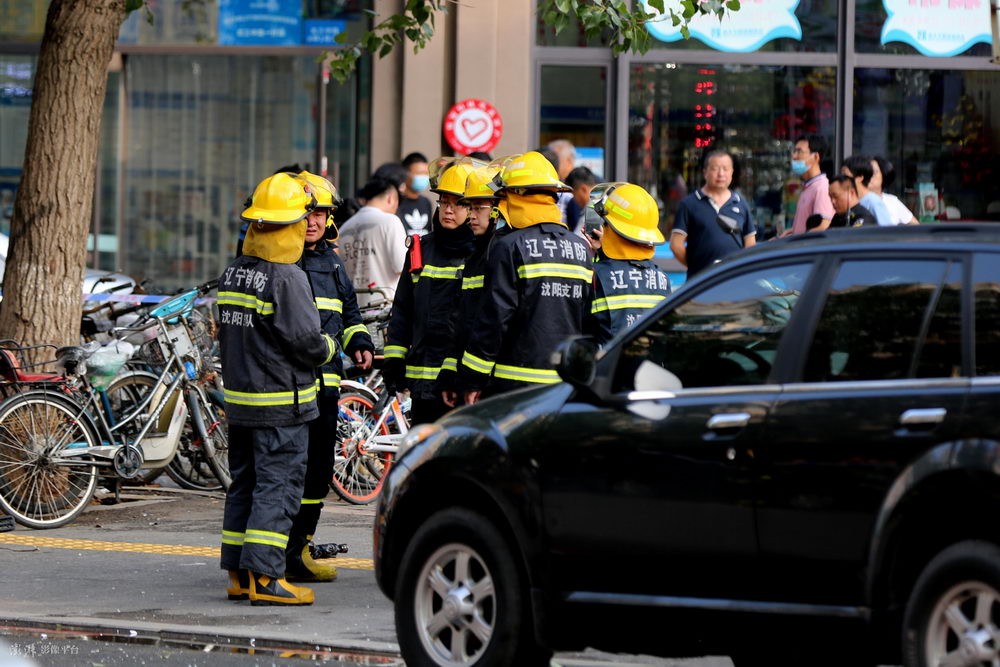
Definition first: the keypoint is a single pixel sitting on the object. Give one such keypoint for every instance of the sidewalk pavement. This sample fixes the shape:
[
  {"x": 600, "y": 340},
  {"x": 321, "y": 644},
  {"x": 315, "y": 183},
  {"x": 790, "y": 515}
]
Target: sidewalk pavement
[{"x": 148, "y": 569}]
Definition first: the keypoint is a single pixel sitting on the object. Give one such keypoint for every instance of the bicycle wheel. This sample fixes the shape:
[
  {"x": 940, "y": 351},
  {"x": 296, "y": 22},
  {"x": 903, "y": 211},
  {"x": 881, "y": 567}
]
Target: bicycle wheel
[
  {"x": 42, "y": 485},
  {"x": 212, "y": 438},
  {"x": 124, "y": 396},
  {"x": 358, "y": 474}
]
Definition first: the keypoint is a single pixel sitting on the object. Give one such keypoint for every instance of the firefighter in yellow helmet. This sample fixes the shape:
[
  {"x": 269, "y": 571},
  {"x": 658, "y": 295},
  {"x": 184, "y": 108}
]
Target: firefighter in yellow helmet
[
  {"x": 537, "y": 282},
  {"x": 271, "y": 347},
  {"x": 483, "y": 214},
  {"x": 420, "y": 334},
  {"x": 626, "y": 282},
  {"x": 340, "y": 317}
]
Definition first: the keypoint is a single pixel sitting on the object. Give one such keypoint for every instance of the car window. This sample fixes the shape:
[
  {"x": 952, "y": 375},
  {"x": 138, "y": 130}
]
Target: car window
[
  {"x": 986, "y": 291},
  {"x": 725, "y": 335},
  {"x": 888, "y": 319}
]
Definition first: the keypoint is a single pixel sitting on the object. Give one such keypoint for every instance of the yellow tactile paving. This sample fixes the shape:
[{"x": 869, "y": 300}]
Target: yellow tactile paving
[{"x": 132, "y": 547}]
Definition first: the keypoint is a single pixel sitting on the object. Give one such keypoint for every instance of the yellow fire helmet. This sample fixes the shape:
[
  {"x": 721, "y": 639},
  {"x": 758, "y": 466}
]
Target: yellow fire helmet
[
  {"x": 452, "y": 179},
  {"x": 530, "y": 171},
  {"x": 277, "y": 215},
  {"x": 280, "y": 199},
  {"x": 629, "y": 210},
  {"x": 326, "y": 198},
  {"x": 477, "y": 186}
]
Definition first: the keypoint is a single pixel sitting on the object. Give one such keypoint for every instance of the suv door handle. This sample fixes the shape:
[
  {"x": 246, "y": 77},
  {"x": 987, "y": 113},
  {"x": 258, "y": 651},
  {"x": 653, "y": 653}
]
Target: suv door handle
[
  {"x": 922, "y": 417},
  {"x": 728, "y": 421}
]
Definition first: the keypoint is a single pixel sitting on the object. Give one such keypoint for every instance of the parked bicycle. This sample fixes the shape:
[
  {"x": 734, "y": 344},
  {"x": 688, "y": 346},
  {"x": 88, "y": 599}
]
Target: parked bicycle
[
  {"x": 372, "y": 420},
  {"x": 60, "y": 431}
]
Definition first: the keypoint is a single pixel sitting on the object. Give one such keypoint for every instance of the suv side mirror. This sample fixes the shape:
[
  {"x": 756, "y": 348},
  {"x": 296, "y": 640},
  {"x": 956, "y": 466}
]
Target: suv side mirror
[{"x": 575, "y": 360}]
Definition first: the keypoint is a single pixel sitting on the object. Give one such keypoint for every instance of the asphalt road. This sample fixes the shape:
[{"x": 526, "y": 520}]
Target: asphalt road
[{"x": 139, "y": 582}]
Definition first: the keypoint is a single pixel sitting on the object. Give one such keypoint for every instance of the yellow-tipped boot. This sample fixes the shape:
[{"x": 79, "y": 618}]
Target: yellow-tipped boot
[
  {"x": 265, "y": 590},
  {"x": 239, "y": 585},
  {"x": 300, "y": 566}
]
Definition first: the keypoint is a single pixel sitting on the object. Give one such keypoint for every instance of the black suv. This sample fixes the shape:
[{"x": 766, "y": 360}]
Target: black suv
[{"x": 794, "y": 460}]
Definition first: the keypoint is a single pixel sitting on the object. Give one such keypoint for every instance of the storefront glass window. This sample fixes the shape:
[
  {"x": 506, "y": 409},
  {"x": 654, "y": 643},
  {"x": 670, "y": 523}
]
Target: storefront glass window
[
  {"x": 103, "y": 247},
  {"x": 941, "y": 131},
  {"x": 22, "y": 20},
  {"x": 347, "y": 130},
  {"x": 771, "y": 25},
  {"x": 930, "y": 27},
  {"x": 574, "y": 107},
  {"x": 16, "y": 74},
  {"x": 245, "y": 22},
  {"x": 203, "y": 131},
  {"x": 678, "y": 112},
  {"x": 572, "y": 35}
]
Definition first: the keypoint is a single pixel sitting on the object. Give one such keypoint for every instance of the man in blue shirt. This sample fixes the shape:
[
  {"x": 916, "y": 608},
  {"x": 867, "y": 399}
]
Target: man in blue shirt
[
  {"x": 859, "y": 168},
  {"x": 713, "y": 221}
]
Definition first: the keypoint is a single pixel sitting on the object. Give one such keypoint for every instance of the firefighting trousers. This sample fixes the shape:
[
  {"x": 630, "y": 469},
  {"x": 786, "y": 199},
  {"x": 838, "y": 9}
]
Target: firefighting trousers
[
  {"x": 319, "y": 471},
  {"x": 268, "y": 466}
]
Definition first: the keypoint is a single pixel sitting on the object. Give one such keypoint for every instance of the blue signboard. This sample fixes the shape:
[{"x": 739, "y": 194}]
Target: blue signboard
[
  {"x": 260, "y": 22},
  {"x": 321, "y": 32},
  {"x": 755, "y": 24},
  {"x": 937, "y": 27}
]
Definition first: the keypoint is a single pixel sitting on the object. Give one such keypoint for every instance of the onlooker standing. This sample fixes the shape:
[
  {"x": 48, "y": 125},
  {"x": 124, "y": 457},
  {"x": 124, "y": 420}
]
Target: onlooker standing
[
  {"x": 844, "y": 198},
  {"x": 415, "y": 209},
  {"x": 372, "y": 243},
  {"x": 814, "y": 198},
  {"x": 859, "y": 167},
  {"x": 883, "y": 177},
  {"x": 565, "y": 153},
  {"x": 582, "y": 180},
  {"x": 713, "y": 221}
]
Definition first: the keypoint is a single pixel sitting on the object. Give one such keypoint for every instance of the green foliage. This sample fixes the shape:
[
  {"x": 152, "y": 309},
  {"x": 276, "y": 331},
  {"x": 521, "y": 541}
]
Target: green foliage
[{"x": 625, "y": 27}]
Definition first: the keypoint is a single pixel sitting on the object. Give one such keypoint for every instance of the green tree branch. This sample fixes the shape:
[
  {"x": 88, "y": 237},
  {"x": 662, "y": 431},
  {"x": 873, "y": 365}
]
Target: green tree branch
[{"x": 625, "y": 27}]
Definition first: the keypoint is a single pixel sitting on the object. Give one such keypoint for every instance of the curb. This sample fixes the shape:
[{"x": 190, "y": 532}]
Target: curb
[{"x": 374, "y": 653}]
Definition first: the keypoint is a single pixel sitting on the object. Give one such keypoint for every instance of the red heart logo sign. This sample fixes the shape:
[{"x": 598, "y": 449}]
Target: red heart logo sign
[{"x": 473, "y": 128}]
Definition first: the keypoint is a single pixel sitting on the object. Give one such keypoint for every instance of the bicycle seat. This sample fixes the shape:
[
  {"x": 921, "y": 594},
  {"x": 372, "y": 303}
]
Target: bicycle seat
[{"x": 11, "y": 371}]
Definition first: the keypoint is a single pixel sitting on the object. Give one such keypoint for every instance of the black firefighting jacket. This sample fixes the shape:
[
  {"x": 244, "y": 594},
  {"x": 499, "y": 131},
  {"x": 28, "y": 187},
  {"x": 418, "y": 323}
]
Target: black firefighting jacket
[
  {"x": 420, "y": 327},
  {"x": 538, "y": 290},
  {"x": 470, "y": 305},
  {"x": 337, "y": 305},
  {"x": 271, "y": 343},
  {"x": 624, "y": 290}
]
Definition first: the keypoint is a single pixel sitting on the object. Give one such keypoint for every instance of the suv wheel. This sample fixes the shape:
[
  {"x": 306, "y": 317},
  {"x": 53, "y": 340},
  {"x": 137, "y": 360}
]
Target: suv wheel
[
  {"x": 953, "y": 616},
  {"x": 460, "y": 599}
]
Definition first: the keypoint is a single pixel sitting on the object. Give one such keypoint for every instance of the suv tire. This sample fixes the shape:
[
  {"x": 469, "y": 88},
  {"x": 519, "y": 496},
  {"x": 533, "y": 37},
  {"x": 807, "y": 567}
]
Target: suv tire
[
  {"x": 459, "y": 584},
  {"x": 955, "y": 608}
]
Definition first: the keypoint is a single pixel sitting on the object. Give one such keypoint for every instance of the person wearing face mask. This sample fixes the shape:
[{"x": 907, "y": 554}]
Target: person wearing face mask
[
  {"x": 483, "y": 215},
  {"x": 538, "y": 286},
  {"x": 414, "y": 208},
  {"x": 419, "y": 334},
  {"x": 814, "y": 198}
]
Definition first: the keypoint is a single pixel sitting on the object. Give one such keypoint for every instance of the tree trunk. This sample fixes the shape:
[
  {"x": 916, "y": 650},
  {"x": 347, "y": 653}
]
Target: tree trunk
[{"x": 52, "y": 208}]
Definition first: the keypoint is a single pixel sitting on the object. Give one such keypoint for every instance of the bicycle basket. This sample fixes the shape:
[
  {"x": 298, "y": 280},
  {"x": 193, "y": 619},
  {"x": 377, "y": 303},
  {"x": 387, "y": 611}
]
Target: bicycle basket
[{"x": 104, "y": 364}]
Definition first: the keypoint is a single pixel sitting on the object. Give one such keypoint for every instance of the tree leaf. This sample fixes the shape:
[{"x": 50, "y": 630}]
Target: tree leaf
[
  {"x": 733, "y": 5},
  {"x": 658, "y": 5},
  {"x": 132, "y": 5}
]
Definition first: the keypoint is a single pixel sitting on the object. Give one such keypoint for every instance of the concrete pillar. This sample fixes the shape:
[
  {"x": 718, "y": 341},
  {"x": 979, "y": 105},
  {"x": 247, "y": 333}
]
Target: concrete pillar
[
  {"x": 494, "y": 64},
  {"x": 386, "y": 100},
  {"x": 428, "y": 82}
]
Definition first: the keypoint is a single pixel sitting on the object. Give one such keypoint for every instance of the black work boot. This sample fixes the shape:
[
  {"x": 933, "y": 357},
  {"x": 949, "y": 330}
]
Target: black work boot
[{"x": 265, "y": 590}]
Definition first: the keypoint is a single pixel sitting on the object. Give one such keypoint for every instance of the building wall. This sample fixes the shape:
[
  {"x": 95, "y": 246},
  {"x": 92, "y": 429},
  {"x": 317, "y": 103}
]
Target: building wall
[{"x": 480, "y": 49}]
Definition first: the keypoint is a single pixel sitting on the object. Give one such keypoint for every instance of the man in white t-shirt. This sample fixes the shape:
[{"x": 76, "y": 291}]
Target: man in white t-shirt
[{"x": 372, "y": 242}]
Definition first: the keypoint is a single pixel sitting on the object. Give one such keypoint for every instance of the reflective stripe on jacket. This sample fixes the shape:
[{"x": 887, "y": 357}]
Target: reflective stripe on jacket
[
  {"x": 624, "y": 290},
  {"x": 271, "y": 343},
  {"x": 420, "y": 328},
  {"x": 337, "y": 306},
  {"x": 538, "y": 289}
]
